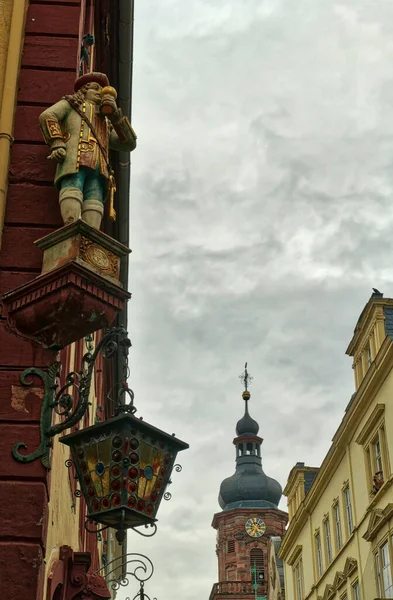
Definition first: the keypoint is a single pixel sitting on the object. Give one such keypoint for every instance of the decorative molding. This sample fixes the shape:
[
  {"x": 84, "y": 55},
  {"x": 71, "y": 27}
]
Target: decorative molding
[
  {"x": 377, "y": 520},
  {"x": 329, "y": 592},
  {"x": 70, "y": 575},
  {"x": 339, "y": 580},
  {"x": 351, "y": 565},
  {"x": 102, "y": 260},
  {"x": 372, "y": 312},
  {"x": 295, "y": 554},
  {"x": 345, "y": 485},
  {"x": 370, "y": 424}
]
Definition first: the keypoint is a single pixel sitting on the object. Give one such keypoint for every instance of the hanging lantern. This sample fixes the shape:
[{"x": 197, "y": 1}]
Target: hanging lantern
[{"x": 123, "y": 466}]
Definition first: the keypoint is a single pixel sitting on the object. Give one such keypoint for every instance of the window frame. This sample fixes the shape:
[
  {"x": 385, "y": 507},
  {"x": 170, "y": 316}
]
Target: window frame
[
  {"x": 379, "y": 555},
  {"x": 328, "y": 540},
  {"x": 260, "y": 566},
  {"x": 377, "y": 571},
  {"x": 338, "y": 534},
  {"x": 372, "y": 435},
  {"x": 318, "y": 552},
  {"x": 369, "y": 355},
  {"x": 378, "y": 472},
  {"x": 355, "y": 584},
  {"x": 349, "y": 520},
  {"x": 388, "y": 568},
  {"x": 298, "y": 577}
]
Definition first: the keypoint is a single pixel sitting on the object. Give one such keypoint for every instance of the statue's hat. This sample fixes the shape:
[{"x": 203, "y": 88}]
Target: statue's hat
[{"x": 99, "y": 78}]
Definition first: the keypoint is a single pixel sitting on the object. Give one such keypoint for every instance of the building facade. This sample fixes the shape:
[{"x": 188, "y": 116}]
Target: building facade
[
  {"x": 44, "y": 47},
  {"x": 338, "y": 544},
  {"x": 249, "y": 520}
]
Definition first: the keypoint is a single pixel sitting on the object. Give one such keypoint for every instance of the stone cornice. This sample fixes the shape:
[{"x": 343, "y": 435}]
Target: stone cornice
[
  {"x": 80, "y": 227},
  {"x": 374, "y": 305},
  {"x": 247, "y": 512},
  {"x": 295, "y": 554},
  {"x": 369, "y": 426}
]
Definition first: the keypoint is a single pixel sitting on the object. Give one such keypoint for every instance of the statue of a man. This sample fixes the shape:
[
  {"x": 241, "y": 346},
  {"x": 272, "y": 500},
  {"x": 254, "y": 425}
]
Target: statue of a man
[{"x": 80, "y": 135}]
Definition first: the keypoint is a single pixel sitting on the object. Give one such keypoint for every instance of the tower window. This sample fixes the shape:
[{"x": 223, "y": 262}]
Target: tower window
[
  {"x": 231, "y": 546},
  {"x": 257, "y": 565}
]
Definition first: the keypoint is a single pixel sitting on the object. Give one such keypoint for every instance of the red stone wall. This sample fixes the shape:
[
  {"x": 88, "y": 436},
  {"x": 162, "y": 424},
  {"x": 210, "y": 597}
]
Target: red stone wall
[
  {"x": 48, "y": 71},
  {"x": 49, "y": 66}
]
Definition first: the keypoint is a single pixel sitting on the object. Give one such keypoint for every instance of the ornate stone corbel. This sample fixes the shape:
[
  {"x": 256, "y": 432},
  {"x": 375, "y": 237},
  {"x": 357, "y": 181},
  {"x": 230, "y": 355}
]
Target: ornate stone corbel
[{"x": 70, "y": 580}]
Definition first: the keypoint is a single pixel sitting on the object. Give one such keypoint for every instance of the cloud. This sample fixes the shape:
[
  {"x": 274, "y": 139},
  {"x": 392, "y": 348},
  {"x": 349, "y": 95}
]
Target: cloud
[{"x": 260, "y": 220}]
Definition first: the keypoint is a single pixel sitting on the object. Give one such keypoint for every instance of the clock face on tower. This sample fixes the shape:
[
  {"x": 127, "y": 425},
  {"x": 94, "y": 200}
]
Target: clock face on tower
[{"x": 255, "y": 527}]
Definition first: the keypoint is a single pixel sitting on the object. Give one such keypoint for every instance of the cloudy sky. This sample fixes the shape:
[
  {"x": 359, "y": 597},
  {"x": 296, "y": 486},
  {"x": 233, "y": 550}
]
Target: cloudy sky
[{"x": 262, "y": 212}]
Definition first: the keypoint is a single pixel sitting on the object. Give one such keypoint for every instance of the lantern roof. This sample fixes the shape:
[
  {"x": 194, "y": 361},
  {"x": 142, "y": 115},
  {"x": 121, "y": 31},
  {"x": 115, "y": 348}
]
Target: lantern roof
[{"x": 142, "y": 425}]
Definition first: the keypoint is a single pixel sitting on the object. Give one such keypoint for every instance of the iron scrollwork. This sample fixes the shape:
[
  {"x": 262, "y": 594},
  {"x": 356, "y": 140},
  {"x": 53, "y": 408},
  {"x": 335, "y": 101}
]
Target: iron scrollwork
[
  {"x": 138, "y": 566},
  {"x": 71, "y": 404},
  {"x": 168, "y": 495}
]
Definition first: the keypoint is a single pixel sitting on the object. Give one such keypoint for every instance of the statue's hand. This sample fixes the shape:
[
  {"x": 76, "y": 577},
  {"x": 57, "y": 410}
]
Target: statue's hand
[
  {"x": 58, "y": 154},
  {"x": 109, "y": 101}
]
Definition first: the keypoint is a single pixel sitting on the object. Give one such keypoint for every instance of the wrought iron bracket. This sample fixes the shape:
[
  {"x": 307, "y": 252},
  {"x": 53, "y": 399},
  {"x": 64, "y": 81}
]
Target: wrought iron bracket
[
  {"x": 72, "y": 404},
  {"x": 131, "y": 564}
]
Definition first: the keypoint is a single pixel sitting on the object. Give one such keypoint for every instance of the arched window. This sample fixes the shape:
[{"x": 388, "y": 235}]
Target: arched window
[{"x": 257, "y": 565}]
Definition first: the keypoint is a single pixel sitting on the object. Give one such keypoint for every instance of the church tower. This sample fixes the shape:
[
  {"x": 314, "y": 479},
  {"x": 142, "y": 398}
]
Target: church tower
[{"x": 249, "y": 519}]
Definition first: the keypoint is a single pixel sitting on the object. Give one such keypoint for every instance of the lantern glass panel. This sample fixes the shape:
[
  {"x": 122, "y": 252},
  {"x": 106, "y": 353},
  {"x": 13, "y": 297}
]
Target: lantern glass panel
[
  {"x": 151, "y": 463},
  {"x": 123, "y": 466},
  {"x": 98, "y": 461}
]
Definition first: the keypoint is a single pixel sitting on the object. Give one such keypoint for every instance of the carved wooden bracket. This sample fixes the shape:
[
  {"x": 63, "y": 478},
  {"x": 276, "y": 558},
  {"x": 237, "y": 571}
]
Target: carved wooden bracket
[{"x": 69, "y": 578}]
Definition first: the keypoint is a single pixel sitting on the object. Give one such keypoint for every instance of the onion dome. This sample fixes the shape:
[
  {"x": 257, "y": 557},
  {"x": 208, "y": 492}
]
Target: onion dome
[
  {"x": 247, "y": 425},
  {"x": 249, "y": 486}
]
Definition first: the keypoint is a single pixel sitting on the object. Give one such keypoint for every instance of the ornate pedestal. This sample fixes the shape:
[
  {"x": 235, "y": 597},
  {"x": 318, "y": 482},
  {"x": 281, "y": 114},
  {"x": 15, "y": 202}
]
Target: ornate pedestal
[{"x": 78, "y": 291}]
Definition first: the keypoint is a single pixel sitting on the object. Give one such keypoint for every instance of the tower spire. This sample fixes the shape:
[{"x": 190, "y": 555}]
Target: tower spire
[{"x": 246, "y": 379}]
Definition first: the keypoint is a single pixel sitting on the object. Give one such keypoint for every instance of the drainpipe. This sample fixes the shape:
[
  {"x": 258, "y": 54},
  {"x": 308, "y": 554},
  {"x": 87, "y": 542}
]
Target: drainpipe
[
  {"x": 9, "y": 98},
  {"x": 126, "y": 43},
  {"x": 125, "y": 49},
  {"x": 123, "y": 171}
]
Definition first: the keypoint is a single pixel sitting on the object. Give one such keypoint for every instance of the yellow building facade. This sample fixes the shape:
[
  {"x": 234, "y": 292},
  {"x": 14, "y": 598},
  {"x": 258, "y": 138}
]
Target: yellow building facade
[{"x": 339, "y": 542}]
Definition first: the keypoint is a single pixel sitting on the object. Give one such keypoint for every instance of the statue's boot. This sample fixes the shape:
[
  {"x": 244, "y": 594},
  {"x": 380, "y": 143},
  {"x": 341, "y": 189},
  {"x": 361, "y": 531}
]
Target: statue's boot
[
  {"x": 92, "y": 212},
  {"x": 70, "y": 200}
]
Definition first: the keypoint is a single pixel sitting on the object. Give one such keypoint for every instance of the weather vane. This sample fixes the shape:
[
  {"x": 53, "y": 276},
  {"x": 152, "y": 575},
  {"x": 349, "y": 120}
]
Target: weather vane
[{"x": 245, "y": 378}]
